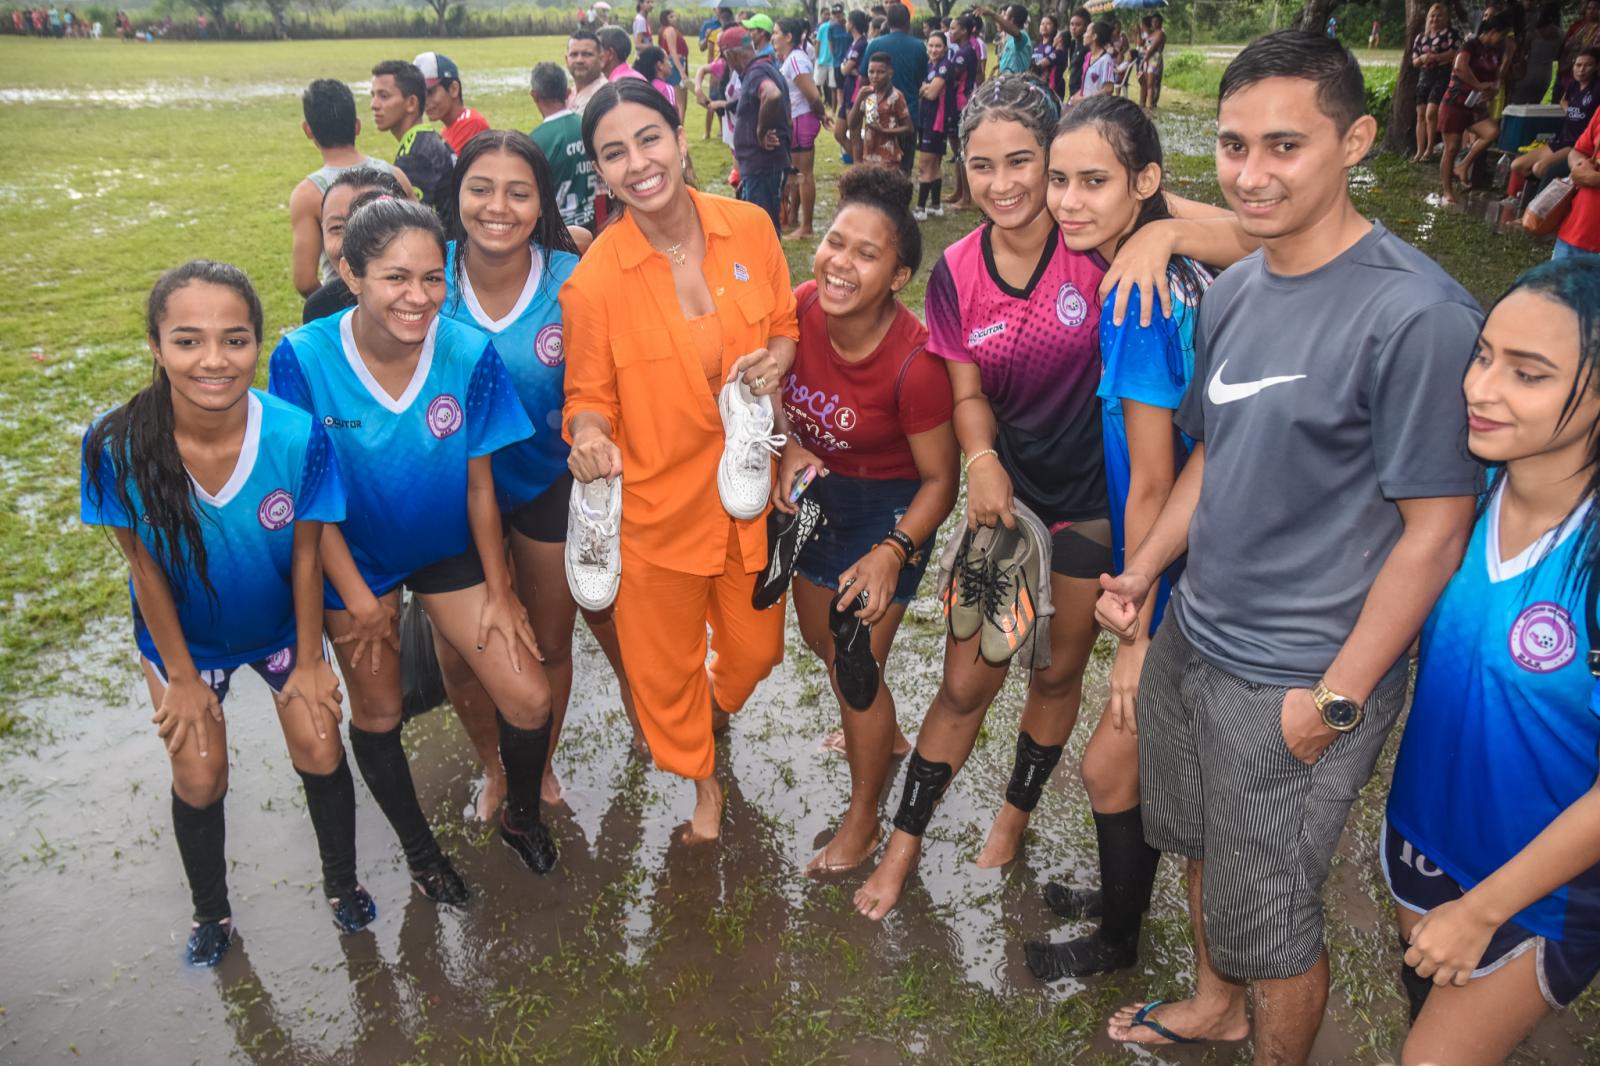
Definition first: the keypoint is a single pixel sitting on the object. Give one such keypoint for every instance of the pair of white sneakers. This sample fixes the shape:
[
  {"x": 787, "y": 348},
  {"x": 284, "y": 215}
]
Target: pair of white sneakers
[{"x": 744, "y": 481}]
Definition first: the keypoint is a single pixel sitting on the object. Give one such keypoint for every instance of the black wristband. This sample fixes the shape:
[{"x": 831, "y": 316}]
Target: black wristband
[{"x": 906, "y": 546}]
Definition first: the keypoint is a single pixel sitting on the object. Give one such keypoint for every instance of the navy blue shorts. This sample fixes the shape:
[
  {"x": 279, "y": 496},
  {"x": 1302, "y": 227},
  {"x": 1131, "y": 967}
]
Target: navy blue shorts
[
  {"x": 274, "y": 670},
  {"x": 544, "y": 518},
  {"x": 859, "y": 513},
  {"x": 1565, "y": 969}
]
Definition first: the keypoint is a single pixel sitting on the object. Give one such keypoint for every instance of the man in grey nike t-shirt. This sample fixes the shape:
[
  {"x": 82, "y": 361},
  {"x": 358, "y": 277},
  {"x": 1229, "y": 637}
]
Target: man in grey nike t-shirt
[
  {"x": 1327, "y": 502},
  {"x": 1322, "y": 399}
]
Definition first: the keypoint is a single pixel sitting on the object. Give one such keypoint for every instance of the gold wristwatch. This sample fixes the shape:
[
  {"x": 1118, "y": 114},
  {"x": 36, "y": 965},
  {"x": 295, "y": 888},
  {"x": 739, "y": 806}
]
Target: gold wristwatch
[{"x": 1339, "y": 713}]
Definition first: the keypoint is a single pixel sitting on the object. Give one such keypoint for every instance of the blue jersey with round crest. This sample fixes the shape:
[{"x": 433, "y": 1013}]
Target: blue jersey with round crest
[
  {"x": 286, "y": 472},
  {"x": 528, "y": 339},
  {"x": 1503, "y": 731},
  {"x": 404, "y": 458},
  {"x": 1151, "y": 365}
]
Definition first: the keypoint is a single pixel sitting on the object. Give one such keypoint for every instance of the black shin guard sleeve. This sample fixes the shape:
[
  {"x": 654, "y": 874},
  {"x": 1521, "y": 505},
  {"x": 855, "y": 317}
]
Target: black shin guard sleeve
[
  {"x": 523, "y": 753},
  {"x": 201, "y": 833},
  {"x": 1127, "y": 873},
  {"x": 383, "y": 765},
  {"x": 936, "y": 192},
  {"x": 925, "y": 784},
  {"x": 331, "y": 802},
  {"x": 922, "y": 194},
  {"x": 1030, "y": 771}
]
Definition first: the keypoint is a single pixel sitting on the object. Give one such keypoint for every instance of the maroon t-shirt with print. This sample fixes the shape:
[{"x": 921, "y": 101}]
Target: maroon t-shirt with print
[{"x": 856, "y": 417}]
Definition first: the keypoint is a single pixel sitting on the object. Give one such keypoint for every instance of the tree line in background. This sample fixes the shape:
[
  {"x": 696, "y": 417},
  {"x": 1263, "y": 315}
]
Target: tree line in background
[{"x": 1188, "y": 21}]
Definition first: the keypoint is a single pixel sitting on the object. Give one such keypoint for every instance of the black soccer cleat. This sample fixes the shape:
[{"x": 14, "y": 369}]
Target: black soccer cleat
[
  {"x": 532, "y": 844},
  {"x": 786, "y": 535},
  {"x": 441, "y": 884},
  {"x": 853, "y": 665}
]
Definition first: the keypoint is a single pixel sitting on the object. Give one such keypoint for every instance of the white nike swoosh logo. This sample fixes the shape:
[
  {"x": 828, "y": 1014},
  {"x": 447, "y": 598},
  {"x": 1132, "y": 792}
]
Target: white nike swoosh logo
[{"x": 1221, "y": 392}]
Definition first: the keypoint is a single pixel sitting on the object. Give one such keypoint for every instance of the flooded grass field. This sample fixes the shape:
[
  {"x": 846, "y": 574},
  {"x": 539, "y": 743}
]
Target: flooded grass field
[{"x": 124, "y": 160}]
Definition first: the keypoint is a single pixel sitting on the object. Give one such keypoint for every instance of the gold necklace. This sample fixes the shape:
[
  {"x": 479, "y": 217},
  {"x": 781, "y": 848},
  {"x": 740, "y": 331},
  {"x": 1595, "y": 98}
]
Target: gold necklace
[{"x": 676, "y": 253}]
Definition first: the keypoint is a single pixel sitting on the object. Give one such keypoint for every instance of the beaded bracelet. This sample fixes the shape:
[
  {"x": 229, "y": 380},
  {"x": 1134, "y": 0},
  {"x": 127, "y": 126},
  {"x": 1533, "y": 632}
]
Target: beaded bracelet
[{"x": 969, "y": 460}]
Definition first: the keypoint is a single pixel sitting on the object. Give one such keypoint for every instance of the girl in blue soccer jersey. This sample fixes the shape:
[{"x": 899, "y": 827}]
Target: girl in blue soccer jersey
[
  {"x": 217, "y": 495},
  {"x": 509, "y": 256},
  {"x": 414, "y": 406},
  {"x": 1492, "y": 842},
  {"x": 1105, "y": 184}
]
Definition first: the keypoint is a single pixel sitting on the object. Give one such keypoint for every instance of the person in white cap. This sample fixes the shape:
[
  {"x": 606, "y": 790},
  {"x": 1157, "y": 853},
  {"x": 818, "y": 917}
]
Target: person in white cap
[{"x": 458, "y": 123}]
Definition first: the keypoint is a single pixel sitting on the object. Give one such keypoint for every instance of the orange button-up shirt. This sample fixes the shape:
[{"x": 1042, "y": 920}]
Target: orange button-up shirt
[{"x": 630, "y": 357}]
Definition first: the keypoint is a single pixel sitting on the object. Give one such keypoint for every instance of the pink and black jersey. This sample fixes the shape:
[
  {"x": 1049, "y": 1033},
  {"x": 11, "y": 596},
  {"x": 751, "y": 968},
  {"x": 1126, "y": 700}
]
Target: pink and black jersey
[{"x": 1038, "y": 353}]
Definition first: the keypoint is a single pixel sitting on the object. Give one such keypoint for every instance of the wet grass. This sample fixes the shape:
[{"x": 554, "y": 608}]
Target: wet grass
[{"x": 191, "y": 151}]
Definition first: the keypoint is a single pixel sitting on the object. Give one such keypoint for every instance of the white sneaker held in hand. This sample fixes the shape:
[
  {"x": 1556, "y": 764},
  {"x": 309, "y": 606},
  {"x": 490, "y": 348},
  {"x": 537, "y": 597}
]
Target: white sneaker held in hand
[
  {"x": 594, "y": 546},
  {"x": 744, "y": 476}
]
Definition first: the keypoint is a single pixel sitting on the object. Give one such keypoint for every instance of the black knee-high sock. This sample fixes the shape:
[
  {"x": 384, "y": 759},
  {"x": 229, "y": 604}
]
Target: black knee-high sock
[
  {"x": 922, "y": 194},
  {"x": 1127, "y": 874},
  {"x": 202, "y": 839},
  {"x": 523, "y": 753},
  {"x": 384, "y": 768},
  {"x": 331, "y": 802},
  {"x": 936, "y": 193}
]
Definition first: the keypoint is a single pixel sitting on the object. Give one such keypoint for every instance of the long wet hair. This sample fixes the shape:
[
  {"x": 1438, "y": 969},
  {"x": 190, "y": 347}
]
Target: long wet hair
[
  {"x": 1012, "y": 98},
  {"x": 1136, "y": 143},
  {"x": 139, "y": 442},
  {"x": 1574, "y": 283},
  {"x": 549, "y": 233}
]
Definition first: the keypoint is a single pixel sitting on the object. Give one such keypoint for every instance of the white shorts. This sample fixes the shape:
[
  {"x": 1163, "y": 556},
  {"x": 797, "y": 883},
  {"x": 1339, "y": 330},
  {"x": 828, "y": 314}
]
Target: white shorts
[{"x": 824, "y": 76}]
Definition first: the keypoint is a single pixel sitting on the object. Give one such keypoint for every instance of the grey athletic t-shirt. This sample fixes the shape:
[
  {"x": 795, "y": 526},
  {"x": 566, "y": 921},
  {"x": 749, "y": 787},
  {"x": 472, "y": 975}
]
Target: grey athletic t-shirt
[{"x": 1321, "y": 399}]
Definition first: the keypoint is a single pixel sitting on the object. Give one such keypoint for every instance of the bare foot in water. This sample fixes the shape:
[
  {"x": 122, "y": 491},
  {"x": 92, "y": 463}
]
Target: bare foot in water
[
  {"x": 489, "y": 794},
  {"x": 848, "y": 849},
  {"x": 834, "y": 742},
  {"x": 705, "y": 825},
  {"x": 1005, "y": 838},
  {"x": 882, "y": 891},
  {"x": 550, "y": 788},
  {"x": 1223, "y": 1020}
]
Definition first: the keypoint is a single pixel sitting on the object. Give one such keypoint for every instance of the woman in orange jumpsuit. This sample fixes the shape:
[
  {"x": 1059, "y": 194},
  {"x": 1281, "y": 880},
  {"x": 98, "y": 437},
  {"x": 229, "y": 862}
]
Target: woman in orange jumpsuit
[{"x": 675, "y": 298}]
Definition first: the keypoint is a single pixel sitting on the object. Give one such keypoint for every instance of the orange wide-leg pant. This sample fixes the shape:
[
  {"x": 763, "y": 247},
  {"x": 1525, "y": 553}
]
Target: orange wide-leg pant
[{"x": 661, "y": 617}]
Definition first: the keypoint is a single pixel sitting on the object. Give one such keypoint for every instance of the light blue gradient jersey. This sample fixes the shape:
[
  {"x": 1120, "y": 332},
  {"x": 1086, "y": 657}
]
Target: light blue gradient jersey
[
  {"x": 528, "y": 339},
  {"x": 286, "y": 472},
  {"x": 404, "y": 458},
  {"x": 1504, "y": 727},
  {"x": 1150, "y": 365}
]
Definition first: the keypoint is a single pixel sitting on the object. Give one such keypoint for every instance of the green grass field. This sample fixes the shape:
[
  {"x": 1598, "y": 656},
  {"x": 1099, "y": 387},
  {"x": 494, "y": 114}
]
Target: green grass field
[{"x": 124, "y": 160}]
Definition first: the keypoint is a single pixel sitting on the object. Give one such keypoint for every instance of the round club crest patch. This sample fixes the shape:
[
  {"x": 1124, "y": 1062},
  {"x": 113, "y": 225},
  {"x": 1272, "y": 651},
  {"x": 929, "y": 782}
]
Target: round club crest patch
[
  {"x": 280, "y": 661},
  {"x": 547, "y": 345},
  {"x": 276, "y": 510},
  {"x": 1071, "y": 307},
  {"x": 444, "y": 415},
  {"x": 1543, "y": 638}
]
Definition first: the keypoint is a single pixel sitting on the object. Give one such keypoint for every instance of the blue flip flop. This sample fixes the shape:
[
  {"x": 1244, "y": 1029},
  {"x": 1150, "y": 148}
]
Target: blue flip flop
[{"x": 1143, "y": 1018}]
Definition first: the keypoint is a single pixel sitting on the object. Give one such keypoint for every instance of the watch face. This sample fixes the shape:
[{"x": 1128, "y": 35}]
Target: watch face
[{"x": 1341, "y": 714}]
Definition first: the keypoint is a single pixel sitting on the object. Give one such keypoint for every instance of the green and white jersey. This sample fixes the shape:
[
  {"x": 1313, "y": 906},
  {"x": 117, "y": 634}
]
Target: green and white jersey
[{"x": 560, "y": 138}]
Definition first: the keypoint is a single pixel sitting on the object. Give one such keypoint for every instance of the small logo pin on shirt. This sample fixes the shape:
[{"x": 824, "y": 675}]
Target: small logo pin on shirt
[{"x": 740, "y": 273}]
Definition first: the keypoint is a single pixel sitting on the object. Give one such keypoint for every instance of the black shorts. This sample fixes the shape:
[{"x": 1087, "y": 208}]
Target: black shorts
[
  {"x": 1076, "y": 549},
  {"x": 929, "y": 141},
  {"x": 1419, "y": 885},
  {"x": 1431, "y": 84},
  {"x": 544, "y": 518},
  {"x": 448, "y": 575}
]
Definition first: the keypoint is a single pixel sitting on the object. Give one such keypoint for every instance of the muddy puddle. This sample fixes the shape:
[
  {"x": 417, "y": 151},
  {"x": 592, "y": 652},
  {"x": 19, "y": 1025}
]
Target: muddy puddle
[{"x": 636, "y": 949}]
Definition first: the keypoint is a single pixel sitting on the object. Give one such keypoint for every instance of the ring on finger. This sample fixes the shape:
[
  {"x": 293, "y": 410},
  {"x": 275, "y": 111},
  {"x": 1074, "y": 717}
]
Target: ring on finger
[{"x": 761, "y": 382}]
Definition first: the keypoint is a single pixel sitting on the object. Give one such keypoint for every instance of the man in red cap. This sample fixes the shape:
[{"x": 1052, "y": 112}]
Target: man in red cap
[{"x": 458, "y": 122}]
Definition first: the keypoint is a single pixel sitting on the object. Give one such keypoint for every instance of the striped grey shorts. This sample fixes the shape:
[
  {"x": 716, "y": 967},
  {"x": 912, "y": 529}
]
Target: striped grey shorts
[{"x": 1218, "y": 782}]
